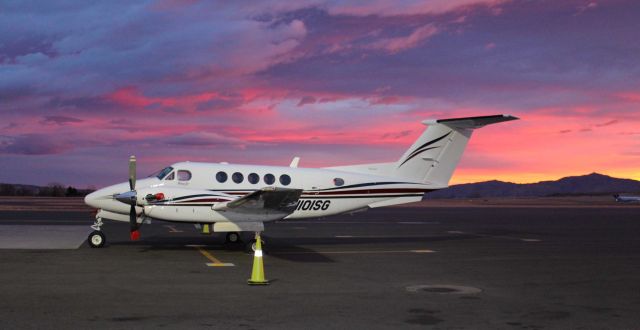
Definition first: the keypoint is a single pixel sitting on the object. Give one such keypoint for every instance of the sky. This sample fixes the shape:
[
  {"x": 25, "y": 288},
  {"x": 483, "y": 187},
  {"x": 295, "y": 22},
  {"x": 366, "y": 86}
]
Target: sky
[{"x": 85, "y": 84}]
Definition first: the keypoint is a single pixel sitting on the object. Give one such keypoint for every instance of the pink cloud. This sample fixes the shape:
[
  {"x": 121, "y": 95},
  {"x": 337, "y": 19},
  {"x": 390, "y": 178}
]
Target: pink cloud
[{"x": 398, "y": 44}]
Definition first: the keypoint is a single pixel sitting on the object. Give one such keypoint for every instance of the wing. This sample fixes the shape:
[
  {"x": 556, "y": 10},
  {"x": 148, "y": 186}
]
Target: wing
[{"x": 268, "y": 200}]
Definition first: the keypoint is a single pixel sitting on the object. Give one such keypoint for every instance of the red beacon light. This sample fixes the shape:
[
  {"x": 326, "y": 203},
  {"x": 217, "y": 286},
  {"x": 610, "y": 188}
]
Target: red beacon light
[{"x": 156, "y": 197}]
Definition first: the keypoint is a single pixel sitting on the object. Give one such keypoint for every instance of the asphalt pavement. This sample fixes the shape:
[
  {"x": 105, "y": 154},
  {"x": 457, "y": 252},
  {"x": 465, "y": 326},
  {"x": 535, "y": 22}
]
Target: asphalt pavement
[{"x": 440, "y": 268}]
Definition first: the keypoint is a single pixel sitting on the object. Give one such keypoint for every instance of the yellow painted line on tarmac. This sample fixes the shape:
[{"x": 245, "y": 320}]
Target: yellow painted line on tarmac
[
  {"x": 173, "y": 229},
  {"x": 215, "y": 262}
]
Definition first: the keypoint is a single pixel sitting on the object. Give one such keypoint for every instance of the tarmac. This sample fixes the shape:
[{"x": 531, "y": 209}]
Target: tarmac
[{"x": 489, "y": 267}]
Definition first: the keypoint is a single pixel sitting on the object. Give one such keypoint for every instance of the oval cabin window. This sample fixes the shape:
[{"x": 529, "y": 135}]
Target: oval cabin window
[
  {"x": 237, "y": 177},
  {"x": 253, "y": 178},
  {"x": 285, "y": 180},
  {"x": 269, "y": 178},
  {"x": 221, "y": 177}
]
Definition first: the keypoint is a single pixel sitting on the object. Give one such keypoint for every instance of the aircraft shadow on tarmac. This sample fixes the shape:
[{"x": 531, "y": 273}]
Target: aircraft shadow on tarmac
[{"x": 291, "y": 249}]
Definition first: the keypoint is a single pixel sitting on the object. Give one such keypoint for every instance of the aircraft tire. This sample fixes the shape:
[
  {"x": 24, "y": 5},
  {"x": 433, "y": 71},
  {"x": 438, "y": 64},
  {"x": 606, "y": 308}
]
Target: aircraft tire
[
  {"x": 250, "y": 247},
  {"x": 233, "y": 237},
  {"x": 96, "y": 239}
]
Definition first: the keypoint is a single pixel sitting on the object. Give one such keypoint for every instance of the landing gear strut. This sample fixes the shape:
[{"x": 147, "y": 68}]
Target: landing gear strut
[{"x": 96, "y": 239}]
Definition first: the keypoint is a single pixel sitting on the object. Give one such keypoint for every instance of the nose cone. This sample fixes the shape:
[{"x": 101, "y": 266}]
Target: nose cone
[
  {"x": 92, "y": 199},
  {"x": 103, "y": 198}
]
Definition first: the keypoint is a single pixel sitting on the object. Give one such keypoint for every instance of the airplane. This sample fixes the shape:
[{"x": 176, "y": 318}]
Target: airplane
[
  {"x": 626, "y": 199},
  {"x": 235, "y": 198}
]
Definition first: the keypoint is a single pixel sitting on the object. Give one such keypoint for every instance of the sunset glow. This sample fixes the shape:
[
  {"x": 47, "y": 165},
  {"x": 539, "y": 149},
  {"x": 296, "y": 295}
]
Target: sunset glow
[{"x": 84, "y": 86}]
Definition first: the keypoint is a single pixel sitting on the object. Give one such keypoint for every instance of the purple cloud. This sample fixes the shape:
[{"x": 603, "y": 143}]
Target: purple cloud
[
  {"x": 60, "y": 120},
  {"x": 32, "y": 144}
]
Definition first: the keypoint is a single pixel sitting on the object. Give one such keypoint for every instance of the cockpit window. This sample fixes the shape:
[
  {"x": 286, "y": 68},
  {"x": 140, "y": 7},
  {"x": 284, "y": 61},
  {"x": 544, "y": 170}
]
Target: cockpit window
[
  {"x": 170, "y": 176},
  {"x": 164, "y": 172},
  {"x": 184, "y": 175}
]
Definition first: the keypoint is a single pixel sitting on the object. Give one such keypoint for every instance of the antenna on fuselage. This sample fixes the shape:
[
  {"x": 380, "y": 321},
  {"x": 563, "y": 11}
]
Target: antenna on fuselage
[{"x": 294, "y": 162}]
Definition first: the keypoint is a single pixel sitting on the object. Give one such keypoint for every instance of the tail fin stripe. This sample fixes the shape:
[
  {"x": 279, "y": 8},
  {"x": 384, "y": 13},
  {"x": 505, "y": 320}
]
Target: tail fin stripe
[
  {"x": 416, "y": 153},
  {"x": 419, "y": 149}
]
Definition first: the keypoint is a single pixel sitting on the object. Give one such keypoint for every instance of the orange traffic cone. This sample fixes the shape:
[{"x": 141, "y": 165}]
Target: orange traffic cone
[{"x": 257, "y": 274}]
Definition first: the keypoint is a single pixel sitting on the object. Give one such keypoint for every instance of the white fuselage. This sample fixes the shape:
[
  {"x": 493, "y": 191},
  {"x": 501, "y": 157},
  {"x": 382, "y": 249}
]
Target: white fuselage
[{"x": 192, "y": 190}]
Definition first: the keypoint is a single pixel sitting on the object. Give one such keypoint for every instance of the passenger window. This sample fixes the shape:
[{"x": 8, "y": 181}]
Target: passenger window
[
  {"x": 253, "y": 178},
  {"x": 171, "y": 176},
  {"x": 221, "y": 177},
  {"x": 184, "y": 175},
  {"x": 285, "y": 180},
  {"x": 237, "y": 177},
  {"x": 269, "y": 179},
  {"x": 338, "y": 182}
]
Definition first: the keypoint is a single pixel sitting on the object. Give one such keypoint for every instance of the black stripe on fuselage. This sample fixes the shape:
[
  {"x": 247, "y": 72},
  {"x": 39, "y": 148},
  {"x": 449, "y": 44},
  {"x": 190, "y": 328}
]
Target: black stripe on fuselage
[
  {"x": 361, "y": 196},
  {"x": 317, "y": 197}
]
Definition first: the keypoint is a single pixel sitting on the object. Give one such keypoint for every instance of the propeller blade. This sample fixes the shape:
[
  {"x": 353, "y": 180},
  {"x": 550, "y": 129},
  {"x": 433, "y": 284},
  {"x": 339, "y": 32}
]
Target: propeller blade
[
  {"x": 132, "y": 218},
  {"x": 135, "y": 234},
  {"x": 132, "y": 172}
]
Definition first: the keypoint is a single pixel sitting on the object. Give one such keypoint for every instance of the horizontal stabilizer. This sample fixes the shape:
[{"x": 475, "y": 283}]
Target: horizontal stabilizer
[{"x": 470, "y": 122}]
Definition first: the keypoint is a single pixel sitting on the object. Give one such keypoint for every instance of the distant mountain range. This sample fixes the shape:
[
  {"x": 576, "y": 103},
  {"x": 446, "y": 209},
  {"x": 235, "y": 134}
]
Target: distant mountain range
[{"x": 591, "y": 184}]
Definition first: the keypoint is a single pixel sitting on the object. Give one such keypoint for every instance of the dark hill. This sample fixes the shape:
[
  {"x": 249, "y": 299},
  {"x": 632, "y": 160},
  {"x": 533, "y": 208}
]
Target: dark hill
[{"x": 591, "y": 184}]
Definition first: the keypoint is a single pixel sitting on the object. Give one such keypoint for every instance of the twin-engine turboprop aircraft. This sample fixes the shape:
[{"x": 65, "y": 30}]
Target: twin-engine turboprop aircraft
[
  {"x": 626, "y": 198},
  {"x": 237, "y": 198}
]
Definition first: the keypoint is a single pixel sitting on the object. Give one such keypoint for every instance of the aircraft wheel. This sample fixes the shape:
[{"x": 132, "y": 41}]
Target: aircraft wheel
[
  {"x": 233, "y": 237},
  {"x": 251, "y": 246},
  {"x": 96, "y": 239}
]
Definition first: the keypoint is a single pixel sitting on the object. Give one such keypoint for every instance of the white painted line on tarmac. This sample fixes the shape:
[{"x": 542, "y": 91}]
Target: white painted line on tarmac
[
  {"x": 423, "y": 251},
  {"x": 353, "y": 252},
  {"x": 532, "y": 240},
  {"x": 293, "y": 222},
  {"x": 220, "y": 264},
  {"x": 379, "y": 236},
  {"x": 173, "y": 229}
]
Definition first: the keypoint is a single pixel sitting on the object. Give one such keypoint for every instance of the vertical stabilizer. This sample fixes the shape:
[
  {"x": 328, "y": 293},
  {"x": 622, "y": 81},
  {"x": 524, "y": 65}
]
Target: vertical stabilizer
[{"x": 435, "y": 155}]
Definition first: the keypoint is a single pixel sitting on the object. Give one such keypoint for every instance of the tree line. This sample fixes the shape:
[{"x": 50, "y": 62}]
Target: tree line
[{"x": 50, "y": 190}]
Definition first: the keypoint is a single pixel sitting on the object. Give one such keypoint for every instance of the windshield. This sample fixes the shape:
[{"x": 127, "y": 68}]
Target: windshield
[{"x": 164, "y": 172}]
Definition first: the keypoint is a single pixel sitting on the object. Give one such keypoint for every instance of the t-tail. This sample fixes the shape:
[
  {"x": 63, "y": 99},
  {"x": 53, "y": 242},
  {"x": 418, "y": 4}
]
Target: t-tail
[{"x": 434, "y": 156}]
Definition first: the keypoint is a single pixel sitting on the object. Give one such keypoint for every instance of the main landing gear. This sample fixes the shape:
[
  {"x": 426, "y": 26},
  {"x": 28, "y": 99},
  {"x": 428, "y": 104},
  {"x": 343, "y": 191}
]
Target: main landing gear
[
  {"x": 234, "y": 238},
  {"x": 96, "y": 238}
]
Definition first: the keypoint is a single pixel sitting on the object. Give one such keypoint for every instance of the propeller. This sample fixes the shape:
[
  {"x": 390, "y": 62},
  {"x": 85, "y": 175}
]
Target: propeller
[
  {"x": 135, "y": 234},
  {"x": 129, "y": 197}
]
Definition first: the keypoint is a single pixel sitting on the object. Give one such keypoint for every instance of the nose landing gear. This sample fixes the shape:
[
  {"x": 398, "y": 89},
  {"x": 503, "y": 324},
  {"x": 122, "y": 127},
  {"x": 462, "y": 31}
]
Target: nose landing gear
[{"x": 96, "y": 239}]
